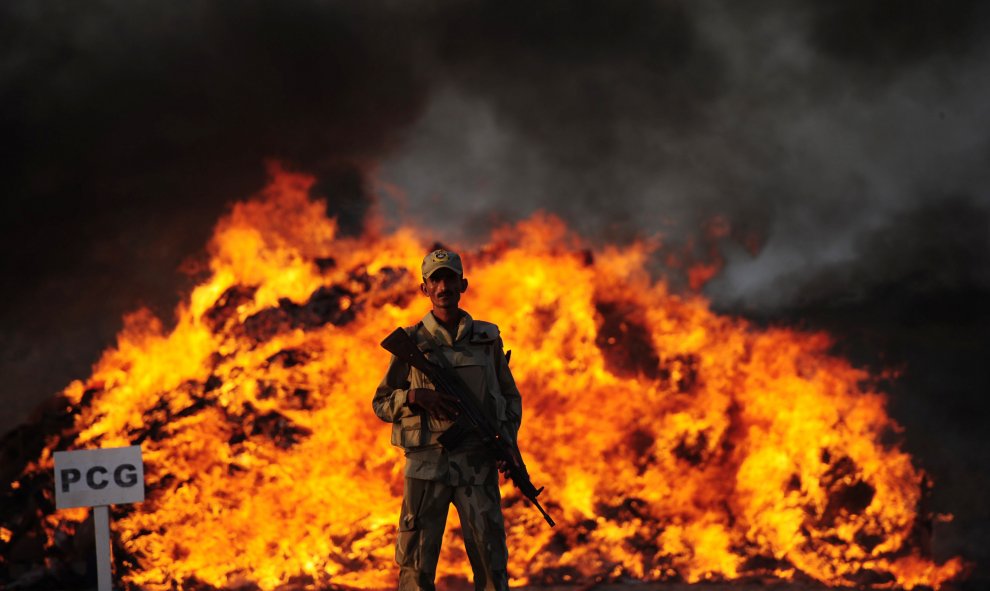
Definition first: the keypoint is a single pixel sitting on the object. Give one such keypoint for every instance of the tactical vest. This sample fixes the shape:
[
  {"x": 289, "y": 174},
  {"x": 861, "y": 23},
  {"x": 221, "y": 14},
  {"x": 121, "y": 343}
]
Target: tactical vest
[{"x": 473, "y": 358}]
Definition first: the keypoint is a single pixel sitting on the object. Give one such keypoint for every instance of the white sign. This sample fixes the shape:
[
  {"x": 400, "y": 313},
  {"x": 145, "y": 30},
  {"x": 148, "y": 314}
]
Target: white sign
[{"x": 92, "y": 477}]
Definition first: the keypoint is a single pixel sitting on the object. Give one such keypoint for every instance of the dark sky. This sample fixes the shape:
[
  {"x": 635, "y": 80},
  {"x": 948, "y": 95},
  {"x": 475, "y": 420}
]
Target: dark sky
[{"x": 848, "y": 141}]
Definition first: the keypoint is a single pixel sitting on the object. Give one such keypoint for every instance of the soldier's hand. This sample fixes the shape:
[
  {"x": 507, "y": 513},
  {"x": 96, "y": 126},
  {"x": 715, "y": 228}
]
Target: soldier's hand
[
  {"x": 502, "y": 465},
  {"x": 438, "y": 404}
]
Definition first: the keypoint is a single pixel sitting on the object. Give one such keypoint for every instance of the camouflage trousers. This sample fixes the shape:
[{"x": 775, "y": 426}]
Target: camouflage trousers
[{"x": 421, "y": 525}]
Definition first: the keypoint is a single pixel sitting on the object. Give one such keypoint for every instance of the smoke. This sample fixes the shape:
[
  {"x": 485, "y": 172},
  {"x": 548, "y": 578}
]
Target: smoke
[
  {"x": 823, "y": 131},
  {"x": 844, "y": 142},
  {"x": 129, "y": 126}
]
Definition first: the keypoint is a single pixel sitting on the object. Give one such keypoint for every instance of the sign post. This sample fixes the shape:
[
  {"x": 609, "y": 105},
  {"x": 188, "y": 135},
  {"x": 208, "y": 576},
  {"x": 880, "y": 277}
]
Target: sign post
[{"x": 99, "y": 478}]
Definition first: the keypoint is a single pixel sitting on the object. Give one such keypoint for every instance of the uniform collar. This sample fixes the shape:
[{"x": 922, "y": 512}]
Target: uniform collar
[{"x": 440, "y": 333}]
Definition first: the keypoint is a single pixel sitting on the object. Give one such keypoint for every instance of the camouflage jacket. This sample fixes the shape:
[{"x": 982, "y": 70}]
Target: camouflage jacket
[{"x": 477, "y": 356}]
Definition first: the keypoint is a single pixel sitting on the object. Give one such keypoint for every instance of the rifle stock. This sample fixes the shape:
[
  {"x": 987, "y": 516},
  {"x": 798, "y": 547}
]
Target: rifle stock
[{"x": 471, "y": 418}]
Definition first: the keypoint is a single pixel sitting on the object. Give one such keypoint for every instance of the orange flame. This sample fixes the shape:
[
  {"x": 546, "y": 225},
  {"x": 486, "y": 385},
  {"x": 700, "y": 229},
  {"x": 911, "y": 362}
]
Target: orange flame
[{"x": 674, "y": 442}]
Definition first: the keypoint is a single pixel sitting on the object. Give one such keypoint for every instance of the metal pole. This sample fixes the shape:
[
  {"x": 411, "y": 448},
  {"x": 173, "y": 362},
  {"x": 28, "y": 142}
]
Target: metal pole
[{"x": 101, "y": 523}]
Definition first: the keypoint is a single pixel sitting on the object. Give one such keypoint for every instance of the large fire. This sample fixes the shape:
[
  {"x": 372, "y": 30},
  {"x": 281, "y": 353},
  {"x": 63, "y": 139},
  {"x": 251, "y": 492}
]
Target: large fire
[{"x": 674, "y": 443}]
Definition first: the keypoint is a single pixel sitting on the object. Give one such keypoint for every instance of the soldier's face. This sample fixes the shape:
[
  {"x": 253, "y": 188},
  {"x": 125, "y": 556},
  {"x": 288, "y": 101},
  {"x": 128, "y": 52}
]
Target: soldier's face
[{"x": 444, "y": 287}]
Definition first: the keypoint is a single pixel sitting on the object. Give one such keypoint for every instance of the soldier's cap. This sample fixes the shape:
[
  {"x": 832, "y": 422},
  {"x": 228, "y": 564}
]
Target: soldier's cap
[{"x": 442, "y": 259}]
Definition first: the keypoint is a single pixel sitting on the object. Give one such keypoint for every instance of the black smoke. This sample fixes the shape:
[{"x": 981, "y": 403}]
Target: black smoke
[
  {"x": 128, "y": 127},
  {"x": 845, "y": 143},
  {"x": 811, "y": 127}
]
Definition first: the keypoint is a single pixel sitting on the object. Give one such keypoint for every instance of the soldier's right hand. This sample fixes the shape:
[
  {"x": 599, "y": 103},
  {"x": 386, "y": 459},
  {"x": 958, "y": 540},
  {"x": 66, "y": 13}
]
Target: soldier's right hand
[{"x": 438, "y": 404}]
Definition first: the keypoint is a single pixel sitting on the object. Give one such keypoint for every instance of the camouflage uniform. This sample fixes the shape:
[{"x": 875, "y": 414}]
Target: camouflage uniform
[{"x": 436, "y": 477}]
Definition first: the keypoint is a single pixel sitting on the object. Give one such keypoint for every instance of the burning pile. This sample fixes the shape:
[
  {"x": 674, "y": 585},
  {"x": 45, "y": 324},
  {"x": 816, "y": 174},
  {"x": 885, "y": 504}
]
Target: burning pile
[{"x": 674, "y": 443}]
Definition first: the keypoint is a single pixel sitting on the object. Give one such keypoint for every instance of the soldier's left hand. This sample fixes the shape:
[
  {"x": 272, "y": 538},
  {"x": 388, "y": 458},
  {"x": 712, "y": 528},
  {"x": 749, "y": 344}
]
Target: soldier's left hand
[{"x": 502, "y": 465}]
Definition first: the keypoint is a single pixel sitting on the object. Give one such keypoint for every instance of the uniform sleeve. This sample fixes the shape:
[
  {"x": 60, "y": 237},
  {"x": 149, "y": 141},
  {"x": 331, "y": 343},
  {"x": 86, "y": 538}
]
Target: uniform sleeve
[
  {"x": 391, "y": 394},
  {"x": 506, "y": 383}
]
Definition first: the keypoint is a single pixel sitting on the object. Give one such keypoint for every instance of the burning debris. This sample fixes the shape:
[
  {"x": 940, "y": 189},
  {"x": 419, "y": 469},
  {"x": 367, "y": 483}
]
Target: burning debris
[{"x": 681, "y": 445}]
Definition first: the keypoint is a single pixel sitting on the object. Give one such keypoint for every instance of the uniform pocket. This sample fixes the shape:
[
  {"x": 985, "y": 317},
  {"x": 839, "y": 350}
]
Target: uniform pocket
[
  {"x": 411, "y": 422},
  {"x": 411, "y": 431},
  {"x": 407, "y": 542},
  {"x": 407, "y": 522}
]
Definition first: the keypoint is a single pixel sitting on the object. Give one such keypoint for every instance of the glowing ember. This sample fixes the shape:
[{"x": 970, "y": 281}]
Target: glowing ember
[{"x": 674, "y": 443}]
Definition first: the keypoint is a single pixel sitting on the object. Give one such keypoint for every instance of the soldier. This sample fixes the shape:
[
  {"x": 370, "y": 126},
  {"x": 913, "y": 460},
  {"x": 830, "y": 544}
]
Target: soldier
[{"x": 434, "y": 476}]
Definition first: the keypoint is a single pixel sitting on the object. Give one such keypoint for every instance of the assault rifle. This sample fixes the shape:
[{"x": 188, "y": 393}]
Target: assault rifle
[{"x": 470, "y": 419}]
